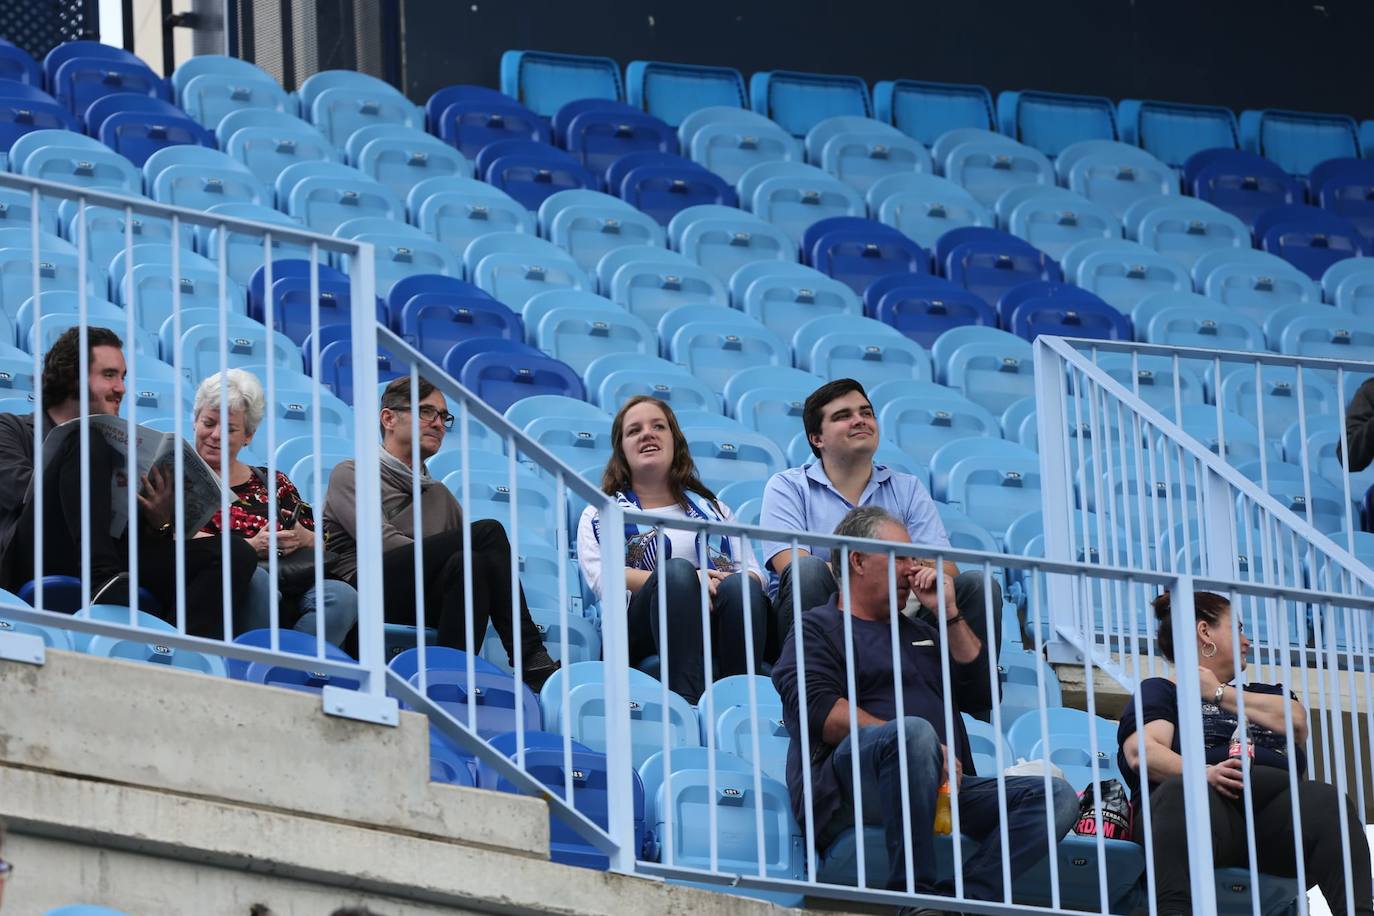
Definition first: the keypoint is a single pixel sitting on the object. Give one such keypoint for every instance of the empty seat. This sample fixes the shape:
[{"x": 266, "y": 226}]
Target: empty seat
[
  {"x": 209, "y": 97},
  {"x": 79, "y": 81},
  {"x": 457, "y": 210},
  {"x": 1277, "y": 395},
  {"x": 575, "y": 431},
  {"x": 1184, "y": 228},
  {"x": 1191, "y": 321},
  {"x": 267, "y": 142},
  {"x": 145, "y": 649},
  {"x": 401, "y": 157},
  {"x": 924, "y": 307},
  {"x": 768, "y": 399},
  {"x": 1123, "y": 273},
  {"x": 1349, "y": 285},
  {"x": 16, "y": 64},
  {"x": 1055, "y": 222},
  {"x": 1052, "y": 121},
  {"x": 859, "y": 151},
  {"x": 502, "y": 372},
  {"x": 793, "y": 196},
  {"x": 200, "y": 349},
  {"x": 925, "y": 207},
  {"x": 730, "y": 141},
  {"x": 201, "y": 178},
  {"x": 546, "y": 81},
  {"x": 476, "y": 117},
  {"x": 243, "y": 252},
  {"x": 725, "y": 450},
  {"x": 714, "y": 348},
  {"x": 930, "y": 416},
  {"x": 585, "y": 716},
  {"x": 614, "y": 379},
  {"x": 1254, "y": 283},
  {"x": 20, "y": 116},
  {"x": 987, "y": 168},
  {"x": 87, "y": 165},
  {"x": 1114, "y": 175},
  {"x": 990, "y": 367},
  {"x": 1343, "y": 187},
  {"x": 722, "y": 243},
  {"x": 434, "y": 321},
  {"x": 988, "y": 262},
  {"x": 841, "y": 346},
  {"x": 1067, "y": 312},
  {"x": 599, "y": 132},
  {"x": 926, "y": 110},
  {"x": 858, "y": 251},
  {"x": 1308, "y": 238},
  {"x": 1173, "y": 132},
  {"x": 1243, "y": 184},
  {"x": 324, "y": 195},
  {"x": 581, "y": 331},
  {"x": 1298, "y": 140},
  {"x": 651, "y": 281},
  {"x": 340, "y": 111},
  {"x": 520, "y": 266},
  {"x": 786, "y": 296},
  {"x": 663, "y": 185},
  {"x": 530, "y": 172},
  {"x": 138, "y": 126},
  {"x": 799, "y": 101},
  {"x": 993, "y": 488},
  {"x": 672, "y": 91},
  {"x": 1305, "y": 332}
]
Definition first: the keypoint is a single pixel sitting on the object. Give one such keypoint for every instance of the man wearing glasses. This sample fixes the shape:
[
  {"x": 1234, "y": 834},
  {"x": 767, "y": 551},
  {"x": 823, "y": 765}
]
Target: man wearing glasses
[{"x": 441, "y": 537}]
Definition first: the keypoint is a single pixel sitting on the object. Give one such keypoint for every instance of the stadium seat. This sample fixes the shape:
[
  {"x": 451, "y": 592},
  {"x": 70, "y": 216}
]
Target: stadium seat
[
  {"x": 652, "y": 281},
  {"x": 1184, "y": 228},
  {"x": 768, "y": 399},
  {"x": 530, "y": 172},
  {"x": 858, "y": 251},
  {"x": 72, "y": 162},
  {"x": 401, "y": 157},
  {"x": 924, "y": 307},
  {"x": 478, "y": 117},
  {"x": 208, "y": 97},
  {"x": 340, "y": 111},
  {"x": 1308, "y": 238},
  {"x": 786, "y": 296},
  {"x": 502, "y": 372},
  {"x": 1242, "y": 440},
  {"x": 1055, "y": 223},
  {"x": 137, "y": 126},
  {"x": 1301, "y": 331},
  {"x": 65, "y": 303},
  {"x": 586, "y": 712},
  {"x": 723, "y": 243},
  {"x": 577, "y": 330},
  {"x": 1189, "y": 320},
  {"x": 726, "y": 450},
  {"x": 1127, "y": 272},
  {"x": 520, "y": 266},
  {"x": 1254, "y": 283},
  {"x": 1278, "y": 393},
  {"x": 924, "y": 420},
  {"x": 574, "y": 431},
  {"x": 23, "y": 115},
  {"x": 1079, "y": 314},
  {"x": 267, "y": 142},
  {"x": 1153, "y": 379},
  {"x": 198, "y": 178},
  {"x": 925, "y": 110},
  {"x": 799, "y": 101},
  {"x": 546, "y": 81},
  {"x": 1349, "y": 285},
  {"x": 131, "y": 648},
  {"x": 860, "y": 151},
  {"x": 295, "y": 643},
  {"x": 612, "y": 380},
  {"x": 457, "y": 210},
  {"x": 925, "y": 207},
  {"x": 672, "y": 91},
  {"x": 324, "y": 195},
  {"x": 663, "y": 185},
  {"x": 434, "y": 321},
  {"x": 956, "y": 137},
  {"x": 588, "y": 224},
  {"x": 1114, "y": 175},
  {"x": 1317, "y": 501},
  {"x": 730, "y": 141},
  {"x": 601, "y": 132},
  {"x": 988, "y": 168},
  {"x": 988, "y": 263},
  {"x": 404, "y": 251},
  {"x": 1243, "y": 184},
  {"x": 994, "y": 488},
  {"x": 1172, "y": 132},
  {"x": 492, "y": 696},
  {"x": 1052, "y": 121},
  {"x": 992, "y": 368},
  {"x": 79, "y": 81},
  {"x": 16, "y": 64},
  {"x": 715, "y": 348},
  {"x": 1342, "y": 186},
  {"x": 793, "y": 196},
  {"x": 841, "y": 346},
  {"x": 1297, "y": 140}
]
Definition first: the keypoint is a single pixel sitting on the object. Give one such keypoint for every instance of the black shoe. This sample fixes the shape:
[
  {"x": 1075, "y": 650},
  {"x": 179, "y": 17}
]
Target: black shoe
[
  {"x": 538, "y": 668},
  {"x": 115, "y": 591}
]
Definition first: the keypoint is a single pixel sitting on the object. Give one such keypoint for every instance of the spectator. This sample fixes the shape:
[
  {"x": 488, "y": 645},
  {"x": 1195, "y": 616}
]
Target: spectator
[
  {"x": 1266, "y": 706},
  {"x": 827, "y": 709},
  {"x": 248, "y": 510},
  {"x": 1359, "y": 427},
  {"x": 843, "y": 433},
  {"x": 62, "y": 508},
  {"x": 651, "y": 468},
  {"x": 441, "y": 535}
]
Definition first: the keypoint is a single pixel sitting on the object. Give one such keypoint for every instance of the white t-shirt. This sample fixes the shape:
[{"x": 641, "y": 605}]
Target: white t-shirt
[{"x": 683, "y": 542}]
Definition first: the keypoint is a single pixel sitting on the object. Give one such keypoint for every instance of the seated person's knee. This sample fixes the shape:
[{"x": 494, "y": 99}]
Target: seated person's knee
[{"x": 680, "y": 573}]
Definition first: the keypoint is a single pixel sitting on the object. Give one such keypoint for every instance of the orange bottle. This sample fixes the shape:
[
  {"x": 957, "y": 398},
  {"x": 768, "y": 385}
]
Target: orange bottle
[{"x": 943, "y": 823}]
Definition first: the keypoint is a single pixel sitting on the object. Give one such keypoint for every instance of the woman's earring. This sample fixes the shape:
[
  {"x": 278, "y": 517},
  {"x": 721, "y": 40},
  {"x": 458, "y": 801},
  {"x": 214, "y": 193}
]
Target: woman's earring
[{"x": 1206, "y": 646}]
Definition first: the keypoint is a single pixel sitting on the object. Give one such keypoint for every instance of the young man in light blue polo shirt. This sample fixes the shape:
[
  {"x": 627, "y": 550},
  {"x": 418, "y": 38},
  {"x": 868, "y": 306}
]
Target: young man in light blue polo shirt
[{"x": 843, "y": 433}]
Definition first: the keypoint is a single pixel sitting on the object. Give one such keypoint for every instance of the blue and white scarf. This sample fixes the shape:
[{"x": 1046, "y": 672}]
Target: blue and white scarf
[{"x": 641, "y": 547}]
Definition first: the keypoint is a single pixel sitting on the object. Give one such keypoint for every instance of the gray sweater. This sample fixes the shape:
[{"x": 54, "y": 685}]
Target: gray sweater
[{"x": 439, "y": 512}]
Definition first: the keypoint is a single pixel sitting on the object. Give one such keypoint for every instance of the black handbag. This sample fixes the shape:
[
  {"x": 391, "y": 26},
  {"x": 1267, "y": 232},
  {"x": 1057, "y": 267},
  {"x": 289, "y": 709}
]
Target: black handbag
[{"x": 296, "y": 570}]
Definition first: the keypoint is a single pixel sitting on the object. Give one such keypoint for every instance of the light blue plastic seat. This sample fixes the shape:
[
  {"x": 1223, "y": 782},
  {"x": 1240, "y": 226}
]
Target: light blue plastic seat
[
  {"x": 105, "y": 230},
  {"x": 200, "y": 178},
  {"x": 324, "y": 195},
  {"x": 491, "y": 498},
  {"x": 730, "y": 145},
  {"x": 735, "y": 733},
  {"x": 921, "y": 423},
  {"x": 842, "y": 346},
  {"x": 798, "y": 101},
  {"x": 210, "y": 96},
  {"x": 614, "y": 379},
  {"x": 1349, "y": 285},
  {"x": 515, "y": 276},
  {"x": 1242, "y": 439},
  {"x": 403, "y": 254},
  {"x": 1172, "y": 131},
  {"x": 546, "y": 81},
  {"x": 588, "y": 228},
  {"x": 1299, "y": 140},
  {"x": 786, "y": 296},
  {"x": 578, "y": 335},
  {"x": 768, "y": 399},
  {"x": 1199, "y": 323},
  {"x": 725, "y": 449},
  {"x": 651, "y": 282},
  {"x": 723, "y": 243},
  {"x": 340, "y": 111},
  {"x": 244, "y": 252},
  {"x": 1254, "y": 283},
  {"x": 1124, "y": 273},
  {"x": 860, "y": 151},
  {"x": 156, "y": 292},
  {"x": 200, "y": 349},
  {"x": 1184, "y": 228},
  {"x": 714, "y": 349},
  {"x": 457, "y": 210},
  {"x": 792, "y": 196},
  {"x": 577, "y": 432},
  {"x": 990, "y": 367},
  {"x": 925, "y": 207},
  {"x": 75, "y": 163},
  {"x": 132, "y": 648},
  {"x": 987, "y": 168},
  {"x": 1113, "y": 174},
  {"x": 1303, "y": 331},
  {"x": 1055, "y": 224},
  {"x": 926, "y": 110},
  {"x": 401, "y": 157},
  {"x": 1153, "y": 379},
  {"x": 993, "y": 490},
  {"x": 1053, "y": 121},
  {"x": 585, "y": 716},
  {"x": 674, "y": 91},
  {"x": 268, "y": 142}
]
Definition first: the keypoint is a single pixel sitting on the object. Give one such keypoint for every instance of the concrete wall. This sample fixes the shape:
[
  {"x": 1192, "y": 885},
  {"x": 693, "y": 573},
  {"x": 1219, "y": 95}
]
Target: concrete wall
[{"x": 163, "y": 792}]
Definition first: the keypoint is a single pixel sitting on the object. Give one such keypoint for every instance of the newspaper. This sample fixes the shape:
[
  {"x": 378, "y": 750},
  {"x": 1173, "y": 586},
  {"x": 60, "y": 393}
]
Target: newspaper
[{"x": 200, "y": 485}]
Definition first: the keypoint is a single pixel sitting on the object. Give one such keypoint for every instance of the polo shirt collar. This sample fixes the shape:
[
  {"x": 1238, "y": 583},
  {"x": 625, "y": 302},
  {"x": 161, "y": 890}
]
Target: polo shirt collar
[{"x": 815, "y": 470}]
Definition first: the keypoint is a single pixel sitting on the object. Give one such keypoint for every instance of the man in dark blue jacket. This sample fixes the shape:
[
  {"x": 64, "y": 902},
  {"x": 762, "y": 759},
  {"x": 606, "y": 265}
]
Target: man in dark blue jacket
[{"x": 923, "y": 729}]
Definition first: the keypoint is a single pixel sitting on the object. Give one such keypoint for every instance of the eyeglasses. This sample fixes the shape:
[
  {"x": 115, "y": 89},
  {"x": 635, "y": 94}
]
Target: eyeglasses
[
  {"x": 430, "y": 413},
  {"x": 6, "y": 869}
]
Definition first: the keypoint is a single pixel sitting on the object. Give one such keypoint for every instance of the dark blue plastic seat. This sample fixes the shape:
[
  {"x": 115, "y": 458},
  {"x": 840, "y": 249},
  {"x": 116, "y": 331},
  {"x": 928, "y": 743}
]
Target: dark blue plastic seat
[
  {"x": 22, "y": 115},
  {"x": 336, "y": 361},
  {"x": 137, "y": 126},
  {"x": 673, "y": 91},
  {"x": 530, "y": 172},
  {"x": 1243, "y": 184},
  {"x": 991, "y": 266},
  {"x": 799, "y": 101},
  {"x": 296, "y": 643},
  {"x": 1067, "y": 312},
  {"x": 662, "y": 185},
  {"x": 926, "y": 110},
  {"x": 69, "y": 50},
  {"x": 1309, "y": 238},
  {"x": 82, "y": 80},
  {"x": 924, "y": 307},
  {"x": 562, "y": 118},
  {"x": 286, "y": 267},
  {"x": 442, "y": 98},
  {"x": 473, "y": 121},
  {"x": 434, "y": 322},
  {"x": 406, "y": 288},
  {"x": 17, "y": 65},
  {"x": 599, "y": 136},
  {"x": 1346, "y": 187},
  {"x": 857, "y": 252},
  {"x": 502, "y": 372},
  {"x": 63, "y": 594},
  {"x": 291, "y": 306}
]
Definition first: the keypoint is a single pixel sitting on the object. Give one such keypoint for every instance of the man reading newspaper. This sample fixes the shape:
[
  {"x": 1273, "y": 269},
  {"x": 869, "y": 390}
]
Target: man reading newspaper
[{"x": 159, "y": 540}]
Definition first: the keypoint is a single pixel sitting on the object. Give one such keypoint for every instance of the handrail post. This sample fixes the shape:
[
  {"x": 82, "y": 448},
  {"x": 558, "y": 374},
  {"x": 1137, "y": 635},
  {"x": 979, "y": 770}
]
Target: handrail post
[
  {"x": 615, "y": 647},
  {"x": 1196, "y": 804},
  {"x": 1056, "y": 496}
]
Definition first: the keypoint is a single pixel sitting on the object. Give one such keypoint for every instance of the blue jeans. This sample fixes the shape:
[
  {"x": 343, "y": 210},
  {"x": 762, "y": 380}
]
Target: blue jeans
[
  {"x": 979, "y": 817},
  {"x": 340, "y": 608}
]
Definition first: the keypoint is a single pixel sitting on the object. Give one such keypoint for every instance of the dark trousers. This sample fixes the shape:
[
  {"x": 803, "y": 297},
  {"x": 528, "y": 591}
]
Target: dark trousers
[
  {"x": 880, "y": 776},
  {"x": 812, "y": 578},
  {"x": 443, "y": 580},
  {"x": 157, "y": 553},
  {"x": 684, "y": 642},
  {"x": 1274, "y": 839}
]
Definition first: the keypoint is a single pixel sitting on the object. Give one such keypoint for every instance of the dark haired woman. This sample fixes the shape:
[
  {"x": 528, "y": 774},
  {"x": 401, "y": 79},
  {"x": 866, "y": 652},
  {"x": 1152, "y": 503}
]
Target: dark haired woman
[
  {"x": 652, "y": 469},
  {"x": 1266, "y": 707}
]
